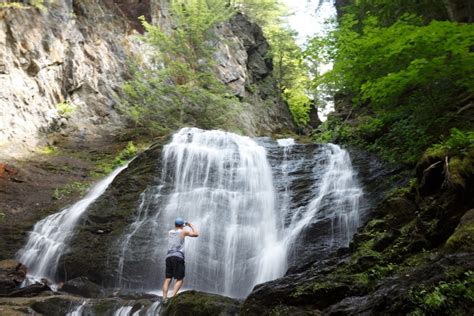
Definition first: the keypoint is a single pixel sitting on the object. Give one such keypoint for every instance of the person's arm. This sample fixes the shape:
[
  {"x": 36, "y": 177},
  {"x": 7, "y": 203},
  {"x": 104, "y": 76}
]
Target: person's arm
[{"x": 193, "y": 232}]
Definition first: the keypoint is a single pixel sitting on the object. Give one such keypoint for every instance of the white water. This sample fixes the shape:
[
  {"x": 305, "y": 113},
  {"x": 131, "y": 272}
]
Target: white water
[
  {"x": 337, "y": 198},
  {"x": 78, "y": 311},
  {"x": 123, "y": 311},
  {"x": 222, "y": 183},
  {"x": 49, "y": 238},
  {"x": 154, "y": 309}
]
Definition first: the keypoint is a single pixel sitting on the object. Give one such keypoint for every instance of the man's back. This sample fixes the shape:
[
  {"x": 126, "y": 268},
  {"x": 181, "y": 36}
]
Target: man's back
[{"x": 175, "y": 243}]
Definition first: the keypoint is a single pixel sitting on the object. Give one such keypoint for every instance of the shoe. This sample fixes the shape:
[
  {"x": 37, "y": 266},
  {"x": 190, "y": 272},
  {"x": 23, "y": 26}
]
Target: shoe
[{"x": 164, "y": 301}]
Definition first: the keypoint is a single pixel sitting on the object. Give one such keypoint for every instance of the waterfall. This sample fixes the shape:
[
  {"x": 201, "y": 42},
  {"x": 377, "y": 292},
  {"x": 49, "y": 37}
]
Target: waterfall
[
  {"x": 261, "y": 207},
  {"x": 78, "y": 310},
  {"x": 222, "y": 183},
  {"x": 254, "y": 201},
  {"x": 336, "y": 198},
  {"x": 48, "y": 240}
]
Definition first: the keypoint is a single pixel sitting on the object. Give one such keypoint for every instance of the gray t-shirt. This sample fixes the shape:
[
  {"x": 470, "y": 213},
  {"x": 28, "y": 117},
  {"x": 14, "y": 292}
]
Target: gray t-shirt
[{"x": 175, "y": 244}]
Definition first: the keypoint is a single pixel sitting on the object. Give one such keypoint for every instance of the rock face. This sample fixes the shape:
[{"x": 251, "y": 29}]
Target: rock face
[
  {"x": 68, "y": 54},
  {"x": 106, "y": 220},
  {"x": 62, "y": 69},
  {"x": 243, "y": 64}
]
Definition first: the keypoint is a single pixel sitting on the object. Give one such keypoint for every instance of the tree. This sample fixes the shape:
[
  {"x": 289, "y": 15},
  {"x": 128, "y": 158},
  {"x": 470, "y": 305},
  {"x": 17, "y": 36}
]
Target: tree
[{"x": 182, "y": 76}]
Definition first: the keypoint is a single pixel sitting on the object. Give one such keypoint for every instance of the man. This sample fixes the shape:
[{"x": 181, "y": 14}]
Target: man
[{"x": 175, "y": 256}]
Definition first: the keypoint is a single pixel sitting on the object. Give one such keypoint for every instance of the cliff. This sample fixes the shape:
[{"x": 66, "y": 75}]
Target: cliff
[{"x": 62, "y": 70}]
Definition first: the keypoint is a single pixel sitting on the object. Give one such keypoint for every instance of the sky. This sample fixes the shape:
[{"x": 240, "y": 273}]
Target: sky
[{"x": 307, "y": 20}]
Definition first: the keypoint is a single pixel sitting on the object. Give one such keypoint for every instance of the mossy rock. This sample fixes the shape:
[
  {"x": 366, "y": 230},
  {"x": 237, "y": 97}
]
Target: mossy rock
[
  {"x": 193, "y": 303},
  {"x": 55, "y": 306},
  {"x": 463, "y": 237}
]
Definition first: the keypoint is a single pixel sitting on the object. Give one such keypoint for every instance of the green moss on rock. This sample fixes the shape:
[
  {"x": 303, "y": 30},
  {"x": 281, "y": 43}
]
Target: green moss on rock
[
  {"x": 463, "y": 237},
  {"x": 193, "y": 303}
]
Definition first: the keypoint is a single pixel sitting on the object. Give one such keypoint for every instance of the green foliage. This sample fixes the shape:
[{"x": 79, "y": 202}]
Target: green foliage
[
  {"x": 445, "y": 297},
  {"x": 388, "y": 11},
  {"x": 299, "y": 104},
  {"x": 182, "y": 88},
  {"x": 70, "y": 188},
  {"x": 107, "y": 166},
  {"x": 263, "y": 12},
  {"x": 370, "y": 128},
  {"x": 290, "y": 71},
  {"x": 404, "y": 75},
  {"x": 334, "y": 130},
  {"x": 65, "y": 108},
  {"x": 458, "y": 143},
  {"x": 381, "y": 64}
]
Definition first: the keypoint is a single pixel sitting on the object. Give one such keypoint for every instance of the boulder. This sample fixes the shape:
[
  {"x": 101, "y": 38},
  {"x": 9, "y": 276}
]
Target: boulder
[
  {"x": 12, "y": 274},
  {"x": 56, "y": 306},
  {"x": 193, "y": 303},
  {"x": 82, "y": 286}
]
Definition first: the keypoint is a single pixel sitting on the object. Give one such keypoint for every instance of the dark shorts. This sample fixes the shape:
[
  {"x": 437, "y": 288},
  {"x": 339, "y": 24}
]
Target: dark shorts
[{"x": 174, "y": 268}]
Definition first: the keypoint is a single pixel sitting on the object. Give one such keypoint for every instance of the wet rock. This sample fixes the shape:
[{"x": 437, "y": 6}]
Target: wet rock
[
  {"x": 12, "y": 274},
  {"x": 193, "y": 303},
  {"x": 90, "y": 254},
  {"x": 38, "y": 288},
  {"x": 385, "y": 240},
  {"x": 56, "y": 306},
  {"x": 305, "y": 291},
  {"x": 82, "y": 286}
]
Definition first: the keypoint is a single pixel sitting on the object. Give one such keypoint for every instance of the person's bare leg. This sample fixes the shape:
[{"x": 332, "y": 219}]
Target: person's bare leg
[
  {"x": 166, "y": 285},
  {"x": 177, "y": 286}
]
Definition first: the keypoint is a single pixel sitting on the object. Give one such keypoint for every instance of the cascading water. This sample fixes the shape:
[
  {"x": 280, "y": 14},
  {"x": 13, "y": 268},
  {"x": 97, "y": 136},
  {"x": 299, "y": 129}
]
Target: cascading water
[
  {"x": 258, "y": 205},
  {"x": 78, "y": 310},
  {"x": 222, "y": 183},
  {"x": 48, "y": 240},
  {"x": 254, "y": 203},
  {"x": 336, "y": 201}
]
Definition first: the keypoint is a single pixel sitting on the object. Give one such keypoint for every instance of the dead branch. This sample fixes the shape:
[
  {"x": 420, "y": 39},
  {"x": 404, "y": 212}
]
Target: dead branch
[
  {"x": 466, "y": 107},
  {"x": 431, "y": 167}
]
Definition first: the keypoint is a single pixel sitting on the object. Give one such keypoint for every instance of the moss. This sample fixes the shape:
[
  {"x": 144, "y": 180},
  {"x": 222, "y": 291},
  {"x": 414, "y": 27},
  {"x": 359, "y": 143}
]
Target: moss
[
  {"x": 376, "y": 224},
  {"x": 103, "y": 307},
  {"x": 75, "y": 187},
  {"x": 417, "y": 259},
  {"x": 196, "y": 304},
  {"x": 459, "y": 169},
  {"x": 462, "y": 239},
  {"x": 403, "y": 191},
  {"x": 48, "y": 150},
  {"x": 283, "y": 310}
]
